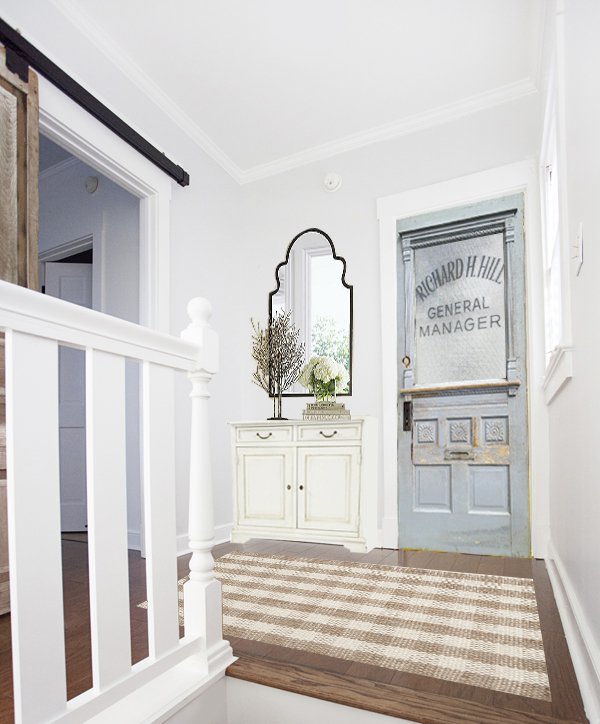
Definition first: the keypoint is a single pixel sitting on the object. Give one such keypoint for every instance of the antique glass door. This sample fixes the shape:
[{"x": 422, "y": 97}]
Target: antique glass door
[{"x": 463, "y": 455}]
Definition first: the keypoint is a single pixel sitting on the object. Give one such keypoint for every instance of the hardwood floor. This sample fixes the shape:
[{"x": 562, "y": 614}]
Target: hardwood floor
[
  {"x": 431, "y": 701},
  {"x": 419, "y": 698}
]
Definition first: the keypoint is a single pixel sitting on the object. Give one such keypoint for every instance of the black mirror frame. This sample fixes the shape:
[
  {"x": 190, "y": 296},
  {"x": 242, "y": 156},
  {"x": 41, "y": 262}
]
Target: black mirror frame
[{"x": 344, "y": 283}]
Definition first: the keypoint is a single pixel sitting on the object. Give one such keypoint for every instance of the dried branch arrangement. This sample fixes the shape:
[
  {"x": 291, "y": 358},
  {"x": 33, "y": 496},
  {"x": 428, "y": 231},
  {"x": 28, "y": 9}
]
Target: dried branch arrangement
[{"x": 279, "y": 356}]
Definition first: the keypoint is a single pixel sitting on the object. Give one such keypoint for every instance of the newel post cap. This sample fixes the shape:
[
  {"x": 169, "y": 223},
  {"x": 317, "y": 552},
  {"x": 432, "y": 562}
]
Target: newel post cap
[
  {"x": 199, "y": 311},
  {"x": 200, "y": 332}
]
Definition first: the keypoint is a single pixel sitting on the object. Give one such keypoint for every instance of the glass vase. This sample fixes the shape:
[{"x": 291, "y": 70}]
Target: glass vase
[{"x": 325, "y": 392}]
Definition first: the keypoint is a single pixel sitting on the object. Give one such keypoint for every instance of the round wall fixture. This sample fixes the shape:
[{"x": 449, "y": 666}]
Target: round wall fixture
[
  {"x": 91, "y": 184},
  {"x": 332, "y": 181}
]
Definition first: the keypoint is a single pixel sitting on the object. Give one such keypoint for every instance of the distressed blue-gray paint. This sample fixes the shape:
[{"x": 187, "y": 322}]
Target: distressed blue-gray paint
[{"x": 463, "y": 469}]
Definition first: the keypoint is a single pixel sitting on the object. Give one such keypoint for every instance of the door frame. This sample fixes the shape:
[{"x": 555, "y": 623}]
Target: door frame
[
  {"x": 64, "y": 122},
  {"x": 514, "y": 178},
  {"x": 73, "y": 128}
]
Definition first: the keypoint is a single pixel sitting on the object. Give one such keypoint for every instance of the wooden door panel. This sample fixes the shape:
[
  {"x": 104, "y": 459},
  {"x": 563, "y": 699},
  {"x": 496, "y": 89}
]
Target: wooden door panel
[
  {"x": 19, "y": 163},
  {"x": 19, "y": 167},
  {"x": 463, "y": 461},
  {"x": 8, "y": 186}
]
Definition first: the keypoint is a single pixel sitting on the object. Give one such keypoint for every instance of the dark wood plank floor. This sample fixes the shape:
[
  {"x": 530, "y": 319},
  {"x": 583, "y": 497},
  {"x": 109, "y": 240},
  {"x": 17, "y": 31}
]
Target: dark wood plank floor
[{"x": 413, "y": 697}]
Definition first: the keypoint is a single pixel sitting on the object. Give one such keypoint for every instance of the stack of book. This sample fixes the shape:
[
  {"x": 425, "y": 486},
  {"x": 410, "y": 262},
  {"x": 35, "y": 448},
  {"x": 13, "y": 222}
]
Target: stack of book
[{"x": 326, "y": 411}]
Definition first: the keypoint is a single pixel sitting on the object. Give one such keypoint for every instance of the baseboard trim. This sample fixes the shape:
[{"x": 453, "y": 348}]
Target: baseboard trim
[
  {"x": 540, "y": 535},
  {"x": 222, "y": 535},
  {"x": 389, "y": 533},
  {"x": 134, "y": 540},
  {"x": 584, "y": 651}
]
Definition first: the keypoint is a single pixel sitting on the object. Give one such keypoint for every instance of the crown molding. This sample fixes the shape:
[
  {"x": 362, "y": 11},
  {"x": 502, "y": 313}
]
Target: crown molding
[
  {"x": 410, "y": 124},
  {"x": 58, "y": 167},
  {"x": 131, "y": 70}
]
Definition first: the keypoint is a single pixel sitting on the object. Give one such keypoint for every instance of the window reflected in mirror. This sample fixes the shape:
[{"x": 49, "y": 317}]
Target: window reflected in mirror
[{"x": 311, "y": 283}]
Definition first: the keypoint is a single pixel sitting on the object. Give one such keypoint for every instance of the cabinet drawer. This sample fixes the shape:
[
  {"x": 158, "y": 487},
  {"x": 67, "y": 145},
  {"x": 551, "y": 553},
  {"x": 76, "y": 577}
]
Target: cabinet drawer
[
  {"x": 264, "y": 433},
  {"x": 329, "y": 431}
]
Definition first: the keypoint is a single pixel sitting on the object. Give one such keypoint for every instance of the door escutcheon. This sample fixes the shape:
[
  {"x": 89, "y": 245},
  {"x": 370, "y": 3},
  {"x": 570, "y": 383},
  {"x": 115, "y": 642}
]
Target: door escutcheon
[{"x": 407, "y": 416}]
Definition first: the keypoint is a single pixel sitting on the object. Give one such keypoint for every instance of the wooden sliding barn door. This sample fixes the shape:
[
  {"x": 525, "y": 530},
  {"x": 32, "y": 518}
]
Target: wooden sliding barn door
[{"x": 19, "y": 160}]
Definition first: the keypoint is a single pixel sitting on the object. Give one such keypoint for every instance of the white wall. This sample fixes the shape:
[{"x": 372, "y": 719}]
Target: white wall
[
  {"x": 249, "y": 703},
  {"x": 574, "y": 450}
]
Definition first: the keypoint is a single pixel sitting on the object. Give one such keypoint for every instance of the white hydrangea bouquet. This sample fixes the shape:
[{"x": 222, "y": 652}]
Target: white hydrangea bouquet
[{"x": 324, "y": 377}]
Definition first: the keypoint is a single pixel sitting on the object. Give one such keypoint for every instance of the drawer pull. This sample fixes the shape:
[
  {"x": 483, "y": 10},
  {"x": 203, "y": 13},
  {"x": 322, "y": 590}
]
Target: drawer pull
[
  {"x": 264, "y": 437},
  {"x": 301, "y": 487},
  {"x": 326, "y": 435}
]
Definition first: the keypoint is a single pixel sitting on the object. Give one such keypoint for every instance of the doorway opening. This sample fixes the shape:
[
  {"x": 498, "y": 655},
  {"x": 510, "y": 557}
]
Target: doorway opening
[{"x": 89, "y": 254}]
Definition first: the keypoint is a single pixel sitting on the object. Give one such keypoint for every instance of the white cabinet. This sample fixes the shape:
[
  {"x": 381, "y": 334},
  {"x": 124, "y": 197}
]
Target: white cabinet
[{"x": 306, "y": 480}]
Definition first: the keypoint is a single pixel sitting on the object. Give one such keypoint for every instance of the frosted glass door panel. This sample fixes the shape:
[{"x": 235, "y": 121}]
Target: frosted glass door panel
[{"x": 460, "y": 311}]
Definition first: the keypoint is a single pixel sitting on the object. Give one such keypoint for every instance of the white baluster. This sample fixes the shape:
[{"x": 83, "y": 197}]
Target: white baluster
[
  {"x": 36, "y": 595},
  {"x": 107, "y": 517},
  {"x": 202, "y": 593},
  {"x": 159, "y": 509}
]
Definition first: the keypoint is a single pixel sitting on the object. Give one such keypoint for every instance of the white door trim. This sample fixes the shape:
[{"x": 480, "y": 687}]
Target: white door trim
[
  {"x": 505, "y": 180},
  {"x": 68, "y": 248},
  {"x": 62, "y": 251},
  {"x": 62, "y": 120}
]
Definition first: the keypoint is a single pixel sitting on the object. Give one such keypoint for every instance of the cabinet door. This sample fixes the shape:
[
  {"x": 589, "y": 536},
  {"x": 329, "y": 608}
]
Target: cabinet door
[
  {"x": 328, "y": 488},
  {"x": 265, "y": 494}
]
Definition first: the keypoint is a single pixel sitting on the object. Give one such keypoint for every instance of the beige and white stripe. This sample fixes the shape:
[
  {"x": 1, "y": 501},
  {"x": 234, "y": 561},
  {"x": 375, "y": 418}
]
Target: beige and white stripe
[{"x": 472, "y": 629}]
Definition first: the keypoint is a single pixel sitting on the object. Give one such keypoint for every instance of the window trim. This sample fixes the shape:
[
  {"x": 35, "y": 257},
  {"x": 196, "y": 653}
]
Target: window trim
[{"x": 559, "y": 358}]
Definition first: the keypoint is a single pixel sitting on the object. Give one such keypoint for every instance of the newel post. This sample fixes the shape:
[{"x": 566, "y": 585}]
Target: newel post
[{"x": 202, "y": 593}]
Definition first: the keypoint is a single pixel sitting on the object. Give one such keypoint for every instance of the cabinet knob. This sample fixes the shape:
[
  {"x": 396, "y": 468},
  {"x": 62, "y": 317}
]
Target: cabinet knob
[
  {"x": 301, "y": 487},
  {"x": 326, "y": 435},
  {"x": 289, "y": 487}
]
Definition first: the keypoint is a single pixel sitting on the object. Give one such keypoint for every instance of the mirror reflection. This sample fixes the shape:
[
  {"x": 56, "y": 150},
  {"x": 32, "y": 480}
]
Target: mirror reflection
[{"x": 311, "y": 283}]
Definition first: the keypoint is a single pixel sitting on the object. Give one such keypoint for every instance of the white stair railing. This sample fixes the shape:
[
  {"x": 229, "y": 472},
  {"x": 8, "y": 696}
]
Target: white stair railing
[{"x": 35, "y": 326}]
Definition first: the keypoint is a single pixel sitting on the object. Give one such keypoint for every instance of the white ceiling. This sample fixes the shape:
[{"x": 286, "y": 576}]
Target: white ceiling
[
  {"x": 51, "y": 154},
  {"x": 262, "y": 83}
]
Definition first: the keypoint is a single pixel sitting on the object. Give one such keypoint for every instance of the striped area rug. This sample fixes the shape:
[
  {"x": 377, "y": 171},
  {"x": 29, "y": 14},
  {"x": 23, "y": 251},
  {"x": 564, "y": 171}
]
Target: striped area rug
[{"x": 467, "y": 628}]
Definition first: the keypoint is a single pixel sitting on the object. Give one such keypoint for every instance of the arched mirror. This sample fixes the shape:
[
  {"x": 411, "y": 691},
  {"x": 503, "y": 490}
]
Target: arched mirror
[{"x": 311, "y": 281}]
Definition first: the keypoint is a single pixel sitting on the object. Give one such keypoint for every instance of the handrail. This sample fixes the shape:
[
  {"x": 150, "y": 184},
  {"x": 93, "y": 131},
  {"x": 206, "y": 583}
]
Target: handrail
[
  {"x": 36, "y": 325},
  {"x": 72, "y": 325}
]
